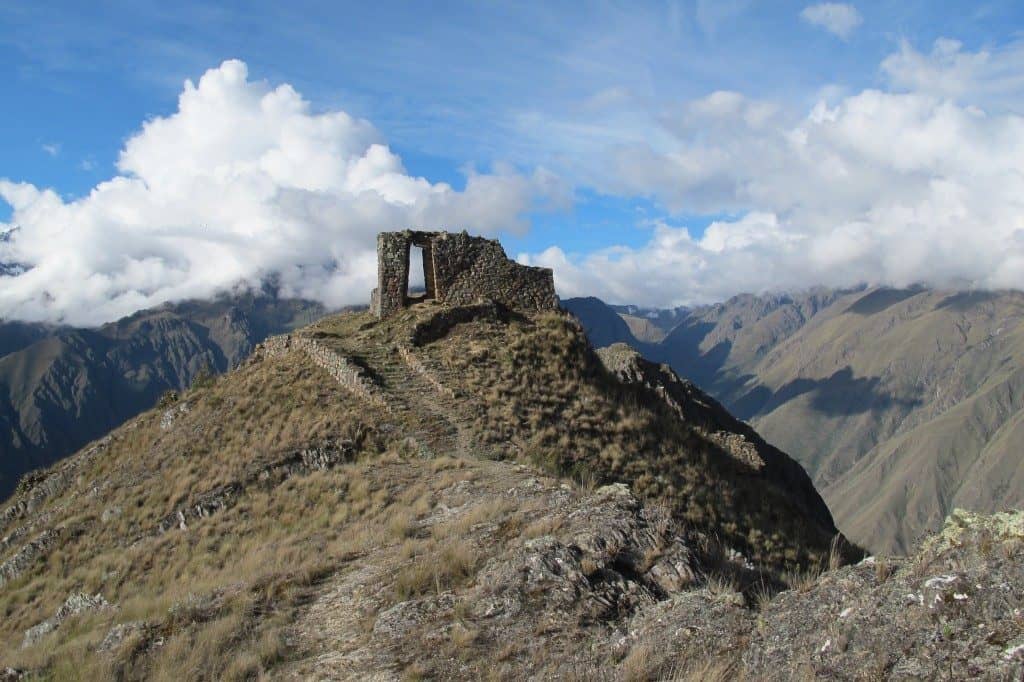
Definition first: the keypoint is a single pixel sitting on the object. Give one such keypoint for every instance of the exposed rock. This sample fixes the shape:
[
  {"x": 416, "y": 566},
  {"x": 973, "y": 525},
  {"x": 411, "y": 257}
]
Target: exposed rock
[
  {"x": 204, "y": 505},
  {"x": 172, "y": 413},
  {"x": 110, "y": 513},
  {"x": 962, "y": 525},
  {"x": 119, "y": 633},
  {"x": 37, "y": 632},
  {"x": 75, "y": 604},
  {"x": 26, "y": 556}
]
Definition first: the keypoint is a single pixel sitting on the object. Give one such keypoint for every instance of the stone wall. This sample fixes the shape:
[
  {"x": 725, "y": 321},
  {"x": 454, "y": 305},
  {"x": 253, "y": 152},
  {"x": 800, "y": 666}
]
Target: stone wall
[
  {"x": 459, "y": 270},
  {"x": 346, "y": 373},
  {"x": 392, "y": 273}
]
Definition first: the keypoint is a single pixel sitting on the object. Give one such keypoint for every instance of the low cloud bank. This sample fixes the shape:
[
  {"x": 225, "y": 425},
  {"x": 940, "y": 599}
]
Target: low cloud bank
[
  {"x": 241, "y": 182},
  {"x": 918, "y": 183}
]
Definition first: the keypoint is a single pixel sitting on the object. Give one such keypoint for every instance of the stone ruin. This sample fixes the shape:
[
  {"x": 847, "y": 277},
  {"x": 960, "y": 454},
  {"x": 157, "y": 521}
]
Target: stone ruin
[{"x": 458, "y": 270}]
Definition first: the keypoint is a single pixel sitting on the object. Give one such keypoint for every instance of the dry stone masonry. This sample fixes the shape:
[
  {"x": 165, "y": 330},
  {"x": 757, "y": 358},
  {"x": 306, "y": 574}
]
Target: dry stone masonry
[
  {"x": 458, "y": 270},
  {"x": 341, "y": 370}
]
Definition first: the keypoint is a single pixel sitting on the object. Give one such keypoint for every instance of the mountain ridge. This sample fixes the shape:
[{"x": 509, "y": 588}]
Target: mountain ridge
[
  {"x": 61, "y": 387},
  {"x": 868, "y": 389},
  {"x": 293, "y": 519}
]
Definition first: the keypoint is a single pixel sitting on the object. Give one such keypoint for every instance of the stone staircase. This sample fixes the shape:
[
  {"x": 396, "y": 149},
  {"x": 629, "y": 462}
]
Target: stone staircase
[{"x": 421, "y": 406}]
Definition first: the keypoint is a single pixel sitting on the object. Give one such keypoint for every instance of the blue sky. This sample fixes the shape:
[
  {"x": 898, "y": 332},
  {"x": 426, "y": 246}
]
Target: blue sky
[{"x": 562, "y": 87}]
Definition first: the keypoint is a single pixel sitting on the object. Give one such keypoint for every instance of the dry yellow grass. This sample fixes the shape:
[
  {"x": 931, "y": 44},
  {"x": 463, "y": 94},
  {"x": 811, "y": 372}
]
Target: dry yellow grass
[
  {"x": 248, "y": 564},
  {"x": 535, "y": 391},
  {"x": 223, "y": 592}
]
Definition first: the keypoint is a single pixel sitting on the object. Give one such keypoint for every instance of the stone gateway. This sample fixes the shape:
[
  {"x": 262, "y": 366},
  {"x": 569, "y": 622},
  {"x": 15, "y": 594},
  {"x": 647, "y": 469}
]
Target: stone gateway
[{"x": 458, "y": 270}]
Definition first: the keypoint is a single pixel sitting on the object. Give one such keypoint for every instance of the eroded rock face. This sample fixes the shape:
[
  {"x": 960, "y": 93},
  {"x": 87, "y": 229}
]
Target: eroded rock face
[
  {"x": 617, "y": 590},
  {"x": 606, "y": 557},
  {"x": 75, "y": 604},
  {"x": 613, "y": 556},
  {"x": 23, "y": 558},
  {"x": 951, "y": 611}
]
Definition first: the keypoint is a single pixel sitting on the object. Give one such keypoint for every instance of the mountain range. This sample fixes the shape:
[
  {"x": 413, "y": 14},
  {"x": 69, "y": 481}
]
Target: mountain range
[
  {"x": 61, "y": 387},
  {"x": 902, "y": 404},
  {"x": 466, "y": 493}
]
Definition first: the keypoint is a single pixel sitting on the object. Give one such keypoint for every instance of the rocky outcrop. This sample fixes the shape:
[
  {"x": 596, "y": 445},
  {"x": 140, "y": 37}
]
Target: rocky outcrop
[
  {"x": 23, "y": 559},
  {"x": 732, "y": 437},
  {"x": 38, "y": 486},
  {"x": 75, "y": 604},
  {"x": 300, "y": 461},
  {"x": 950, "y": 611}
]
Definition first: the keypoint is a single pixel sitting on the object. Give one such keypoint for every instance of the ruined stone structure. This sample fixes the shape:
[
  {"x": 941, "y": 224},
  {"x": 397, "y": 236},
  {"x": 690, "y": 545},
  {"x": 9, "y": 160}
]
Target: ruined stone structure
[
  {"x": 340, "y": 368},
  {"x": 459, "y": 270}
]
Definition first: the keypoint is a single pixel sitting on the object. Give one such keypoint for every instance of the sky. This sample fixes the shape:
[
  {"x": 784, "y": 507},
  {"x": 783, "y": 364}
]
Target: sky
[{"x": 660, "y": 154}]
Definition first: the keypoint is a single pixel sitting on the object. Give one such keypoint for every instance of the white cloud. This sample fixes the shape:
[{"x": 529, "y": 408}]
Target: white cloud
[
  {"x": 987, "y": 77},
  {"x": 51, "y": 148},
  {"x": 242, "y": 181},
  {"x": 837, "y": 18},
  {"x": 869, "y": 187}
]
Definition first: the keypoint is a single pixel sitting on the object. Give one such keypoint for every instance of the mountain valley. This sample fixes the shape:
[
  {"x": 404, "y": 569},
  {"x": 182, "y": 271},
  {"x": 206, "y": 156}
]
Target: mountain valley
[{"x": 901, "y": 404}]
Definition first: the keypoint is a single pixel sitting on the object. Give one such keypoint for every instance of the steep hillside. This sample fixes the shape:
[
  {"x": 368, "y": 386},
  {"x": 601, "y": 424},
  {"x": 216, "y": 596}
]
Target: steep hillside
[
  {"x": 16, "y": 335},
  {"x": 61, "y": 388},
  {"x": 602, "y": 324},
  {"x": 902, "y": 404},
  {"x": 383, "y": 500}
]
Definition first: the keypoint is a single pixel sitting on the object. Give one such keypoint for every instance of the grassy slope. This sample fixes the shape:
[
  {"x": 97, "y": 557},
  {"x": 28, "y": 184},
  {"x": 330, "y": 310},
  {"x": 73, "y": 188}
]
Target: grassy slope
[
  {"x": 73, "y": 385},
  {"x": 902, "y": 404},
  {"x": 243, "y": 564},
  {"x": 540, "y": 394},
  {"x": 223, "y": 595}
]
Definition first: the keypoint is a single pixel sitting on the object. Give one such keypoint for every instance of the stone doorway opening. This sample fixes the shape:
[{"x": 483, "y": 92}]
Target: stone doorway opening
[{"x": 421, "y": 273}]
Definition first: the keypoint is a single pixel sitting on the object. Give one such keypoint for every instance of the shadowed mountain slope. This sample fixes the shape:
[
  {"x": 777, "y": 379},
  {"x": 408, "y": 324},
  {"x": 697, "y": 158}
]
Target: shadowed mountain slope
[
  {"x": 901, "y": 404},
  {"x": 62, "y": 387}
]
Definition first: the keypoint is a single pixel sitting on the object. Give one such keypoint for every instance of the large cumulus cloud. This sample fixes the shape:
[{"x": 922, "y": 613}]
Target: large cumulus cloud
[
  {"x": 241, "y": 182},
  {"x": 917, "y": 183}
]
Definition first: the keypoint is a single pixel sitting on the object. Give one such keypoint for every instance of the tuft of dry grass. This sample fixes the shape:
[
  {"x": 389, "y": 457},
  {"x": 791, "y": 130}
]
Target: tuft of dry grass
[
  {"x": 485, "y": 512},
  {"x": 641, "y": 664},
  {"x": 801, "y": 581},
  {"x": 440, "y": 567},
  {"x": 722, "y": 585}
]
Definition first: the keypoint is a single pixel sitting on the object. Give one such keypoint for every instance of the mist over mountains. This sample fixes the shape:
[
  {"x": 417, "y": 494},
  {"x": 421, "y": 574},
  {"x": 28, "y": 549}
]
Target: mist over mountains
[{"x": 902, "y": 404}]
